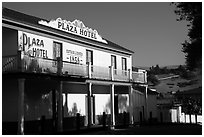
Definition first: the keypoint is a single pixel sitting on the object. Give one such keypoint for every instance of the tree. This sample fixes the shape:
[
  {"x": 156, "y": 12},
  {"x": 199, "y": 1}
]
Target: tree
[
  {"x": 192, "y": 12},
  {"x": 155, "y": 70},
  {"x": 153, "y": 79}
]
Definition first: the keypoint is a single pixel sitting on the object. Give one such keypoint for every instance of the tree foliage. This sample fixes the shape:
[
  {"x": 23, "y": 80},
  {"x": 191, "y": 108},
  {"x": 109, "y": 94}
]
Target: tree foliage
[
  {"x": 153, "y": 79},
  {"x": 192, "y": 12},
  {"x": 192, "y": 106}
]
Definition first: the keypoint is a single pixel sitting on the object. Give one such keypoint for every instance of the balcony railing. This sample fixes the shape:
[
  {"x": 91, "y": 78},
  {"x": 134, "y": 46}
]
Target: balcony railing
[
  {"x": 122, "y": 75},
  {"x": 9, "y": 63},
  {"x": 50, "y": 66},
  {"x": 139, "y": 77},
  {"x": 74, "y": 69},
  {"x": 98, "y": 72}
]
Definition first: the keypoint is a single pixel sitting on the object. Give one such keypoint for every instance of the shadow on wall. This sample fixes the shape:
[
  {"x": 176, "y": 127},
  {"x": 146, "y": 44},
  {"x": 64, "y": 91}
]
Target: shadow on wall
[
  {"x": 34, "y": 109},
  {"x": 43, "y": 107}
]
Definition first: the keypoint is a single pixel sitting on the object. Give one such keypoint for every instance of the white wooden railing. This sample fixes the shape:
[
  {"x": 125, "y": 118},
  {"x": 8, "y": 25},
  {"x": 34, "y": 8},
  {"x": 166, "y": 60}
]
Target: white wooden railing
[{"x": 38, "y": 65}]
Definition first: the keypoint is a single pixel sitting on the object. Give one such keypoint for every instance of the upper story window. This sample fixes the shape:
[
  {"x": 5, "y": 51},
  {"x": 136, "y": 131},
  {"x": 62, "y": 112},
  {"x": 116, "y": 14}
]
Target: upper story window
[
  {"x": 89, "y": 56},
  {"x": 124, "y": 66},
  {"x": 57, "y": 52},
  {"x": 124, "y": 63},
  {"x": 113, "y": 62}
]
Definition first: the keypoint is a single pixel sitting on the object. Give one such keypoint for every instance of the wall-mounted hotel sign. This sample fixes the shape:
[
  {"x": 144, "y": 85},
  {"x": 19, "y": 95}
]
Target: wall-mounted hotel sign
[
  {"x": 34, "y": 45},
  {"x": 76, "y": 27},
  {"x": 74, "y": 56}
]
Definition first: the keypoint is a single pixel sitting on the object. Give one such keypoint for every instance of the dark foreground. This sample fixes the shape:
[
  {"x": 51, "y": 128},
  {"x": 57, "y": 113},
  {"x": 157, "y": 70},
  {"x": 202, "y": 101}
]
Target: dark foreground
[
  {"x": 156, "y": 129},
  {"x": 167, "y": 129}
]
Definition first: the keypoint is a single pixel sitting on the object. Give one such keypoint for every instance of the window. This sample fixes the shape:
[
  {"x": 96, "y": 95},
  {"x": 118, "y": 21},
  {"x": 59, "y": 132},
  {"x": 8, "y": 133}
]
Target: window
[
  {"x": 124, "y": 66},
  {"x": 124, "y": 63},
  {"x": 113, "y": 63},
  {"x": 89, "y": 56},
  {"x": 57, "y": 52}
]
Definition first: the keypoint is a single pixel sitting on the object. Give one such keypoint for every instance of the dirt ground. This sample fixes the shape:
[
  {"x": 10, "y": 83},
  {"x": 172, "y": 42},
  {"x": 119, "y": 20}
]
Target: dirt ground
[{"x": 172, "y": 129}]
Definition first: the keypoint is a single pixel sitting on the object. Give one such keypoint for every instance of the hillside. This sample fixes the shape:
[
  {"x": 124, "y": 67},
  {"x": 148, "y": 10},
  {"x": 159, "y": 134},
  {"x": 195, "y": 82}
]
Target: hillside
[{"x": 178, "y": 84}]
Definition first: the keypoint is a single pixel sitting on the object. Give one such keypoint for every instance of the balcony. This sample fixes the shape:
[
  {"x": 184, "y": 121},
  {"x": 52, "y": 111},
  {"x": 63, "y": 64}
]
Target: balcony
[{"x": 17, "y": 63}]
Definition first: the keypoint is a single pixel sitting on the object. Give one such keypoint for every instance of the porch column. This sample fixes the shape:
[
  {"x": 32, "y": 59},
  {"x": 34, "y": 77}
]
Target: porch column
[
  {"x": 89, "y": 93},
  {"x": 59, "y": 65},
  {"x": 146, "y": 103},
  {"x": 112, "y": 105},
  {"x": 111, "y": 72},
  {"x": 59, "y": 108},
  {"x": 89, "y": 69},
  {"x": 21, "y": 88},
  {"x": 65, "y": 106},
  {"x": 130, "y": 74},
  {"x": 131, "y": 104}
]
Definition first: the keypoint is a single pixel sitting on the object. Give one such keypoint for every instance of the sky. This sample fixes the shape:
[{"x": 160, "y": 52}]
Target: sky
[{"x": 149, "y": 29}]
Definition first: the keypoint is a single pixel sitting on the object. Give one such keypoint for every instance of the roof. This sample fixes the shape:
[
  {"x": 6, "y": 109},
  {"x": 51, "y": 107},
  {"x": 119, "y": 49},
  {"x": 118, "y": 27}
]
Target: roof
[
  {"x": 149, "y": 90},
  {"x": 191, "y": 92},
  {"x": 33, "y": 21}
]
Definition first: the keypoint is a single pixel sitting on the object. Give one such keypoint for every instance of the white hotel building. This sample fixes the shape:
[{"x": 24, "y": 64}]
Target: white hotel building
[{"x": 59, "y": 68}]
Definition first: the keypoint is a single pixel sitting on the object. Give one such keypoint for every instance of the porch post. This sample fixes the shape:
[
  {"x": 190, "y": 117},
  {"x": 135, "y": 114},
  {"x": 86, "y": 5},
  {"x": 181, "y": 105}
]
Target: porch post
[
  {"x": 131, "y": 104},
  {"x": 146, "y": 103},
  {"x": 59, "y": 108},
  {"x": 21, "y": 88},
  {"x": 111, "y": 72},
  {"x": 112, "y": 105},
  {"x": 130, "y": 74},
  {"x": 89, "y": 69},
  {"x": 145, "y": 76},
  {"x": 20, "y": 62},
  {"x": 89, "y": 104},
  {"x": 66, "y": 106},
  {"x": 59, "y": 65}
]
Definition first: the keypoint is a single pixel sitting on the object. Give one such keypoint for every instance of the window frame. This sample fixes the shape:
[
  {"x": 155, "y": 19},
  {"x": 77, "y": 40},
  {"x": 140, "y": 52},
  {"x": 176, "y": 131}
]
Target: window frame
[
  {"x": 89, "y": 51},
  {"x": 56, "y": 52},
  {"x": 115, "y": 61},
  {"x": 124, "y": 59}
]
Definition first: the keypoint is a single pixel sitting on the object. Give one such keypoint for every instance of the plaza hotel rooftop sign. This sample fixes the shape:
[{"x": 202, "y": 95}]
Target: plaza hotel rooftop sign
[{"x": 76, "y": 27}]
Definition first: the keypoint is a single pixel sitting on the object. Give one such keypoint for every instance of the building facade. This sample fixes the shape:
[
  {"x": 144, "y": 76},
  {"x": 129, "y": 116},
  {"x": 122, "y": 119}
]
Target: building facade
[{"x": 55, "y": 69}]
